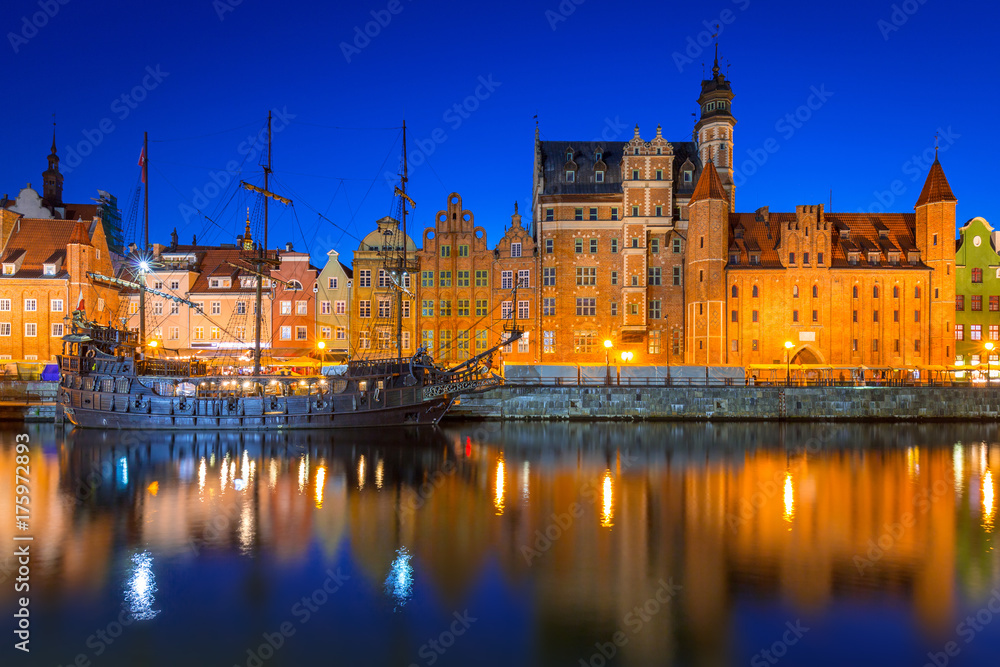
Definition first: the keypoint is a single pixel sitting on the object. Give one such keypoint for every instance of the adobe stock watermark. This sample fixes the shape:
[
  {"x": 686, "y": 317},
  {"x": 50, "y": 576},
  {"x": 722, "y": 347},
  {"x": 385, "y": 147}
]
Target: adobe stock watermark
[
  {"x": 248, "y": 149},
  {"x": 432, "y": 650},
  {"x": 697, "y": 44},
  {"x": 302, "y": 611},
  {"x": 634, "y": 621},
  {"x": 613, "y": 129},
  {"x": 121, "y": 107},
  {"x": 966, "y": 631},
  {"x": 891, "y": 534},
  {"x": 898, "y": 16},
  {"x": 31, "y": 24},
  {"x": 562, "y": 12},
  {"x": 453, "y": 117},
  {"x": 363, "y": 35},
  {"x": 786, "y": 126},
  {"x": 223, "y": 7},
  {"x": 779, "y": 649},
  {"x": 915, "y": 167}
]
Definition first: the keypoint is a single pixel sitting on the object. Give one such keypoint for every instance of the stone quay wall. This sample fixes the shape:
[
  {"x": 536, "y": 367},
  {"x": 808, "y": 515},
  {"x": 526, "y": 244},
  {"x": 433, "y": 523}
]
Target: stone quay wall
[{"x": 732, "y": 403}]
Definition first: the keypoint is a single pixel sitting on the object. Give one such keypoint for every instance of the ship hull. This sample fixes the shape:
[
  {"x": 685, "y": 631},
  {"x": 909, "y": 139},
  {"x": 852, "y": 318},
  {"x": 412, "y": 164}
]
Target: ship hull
[{"x": 426, "y": 413}]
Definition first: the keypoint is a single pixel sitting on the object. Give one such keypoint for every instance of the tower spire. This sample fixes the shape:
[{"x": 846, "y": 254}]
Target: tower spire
[
  {"x": 715, "y": 67},
  {"x": 53, "y": 134}
]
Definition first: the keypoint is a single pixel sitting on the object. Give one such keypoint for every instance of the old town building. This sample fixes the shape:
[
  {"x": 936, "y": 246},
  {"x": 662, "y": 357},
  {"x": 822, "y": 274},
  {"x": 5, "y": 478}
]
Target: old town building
[
  {"x": 977, "y": 295},
  {"x": 515, "y": 264},
  {"x": 293, "y": 305},
  {"x": 333, "y": 301},
  {"x": 375, "y": 307},
  {"x": 44, "y": 279}
]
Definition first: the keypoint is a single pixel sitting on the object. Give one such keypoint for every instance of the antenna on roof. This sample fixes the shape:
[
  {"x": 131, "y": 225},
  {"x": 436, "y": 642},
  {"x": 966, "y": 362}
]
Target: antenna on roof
[
  {"x": 935, "y": 146},
  {"x": 831, "y": 200}
]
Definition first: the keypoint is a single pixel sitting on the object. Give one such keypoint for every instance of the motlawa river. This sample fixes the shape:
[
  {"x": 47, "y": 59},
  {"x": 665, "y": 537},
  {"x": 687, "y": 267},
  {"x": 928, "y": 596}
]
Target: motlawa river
[{"x": 503, "y": 544}]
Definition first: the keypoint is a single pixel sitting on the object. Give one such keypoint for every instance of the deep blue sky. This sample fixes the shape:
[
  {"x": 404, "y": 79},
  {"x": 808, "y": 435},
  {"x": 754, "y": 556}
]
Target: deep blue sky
[{"x": 602, "y": 69}]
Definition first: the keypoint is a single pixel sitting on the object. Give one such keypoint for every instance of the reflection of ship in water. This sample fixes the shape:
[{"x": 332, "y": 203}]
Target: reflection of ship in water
[{"x": 737, "y": 514}]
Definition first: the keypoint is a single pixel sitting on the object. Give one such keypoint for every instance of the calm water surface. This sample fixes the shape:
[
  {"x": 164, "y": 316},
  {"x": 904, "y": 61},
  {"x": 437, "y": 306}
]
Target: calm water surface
[{"x": 479, "y": 544}]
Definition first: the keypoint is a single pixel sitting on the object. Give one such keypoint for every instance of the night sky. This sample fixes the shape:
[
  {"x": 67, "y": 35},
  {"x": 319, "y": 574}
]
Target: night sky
[{"x": 881, "y": 77}]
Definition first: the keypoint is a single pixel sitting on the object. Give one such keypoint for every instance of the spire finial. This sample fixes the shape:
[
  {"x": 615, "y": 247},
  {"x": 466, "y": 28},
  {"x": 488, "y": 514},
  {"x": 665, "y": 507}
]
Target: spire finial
[
  {"x": 935, "y": 146},
  {"x": 515, "y": 207},
  {"x": 53, "y": 134},
  {"x": 715, "y": 67}
]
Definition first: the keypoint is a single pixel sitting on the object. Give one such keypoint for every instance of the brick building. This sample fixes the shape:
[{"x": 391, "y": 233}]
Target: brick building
[
  {"x": 44, "y": 278},
  {"x": 293, "y": 305},
  {"x": 515, "y": 262}
]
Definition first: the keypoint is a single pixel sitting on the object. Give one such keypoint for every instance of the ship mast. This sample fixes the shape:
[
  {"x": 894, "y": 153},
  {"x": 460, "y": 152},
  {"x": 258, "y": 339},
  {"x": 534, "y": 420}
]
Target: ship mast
[
  {"x": 145, "y": 242},
  {"x": 402, "y": 269}
]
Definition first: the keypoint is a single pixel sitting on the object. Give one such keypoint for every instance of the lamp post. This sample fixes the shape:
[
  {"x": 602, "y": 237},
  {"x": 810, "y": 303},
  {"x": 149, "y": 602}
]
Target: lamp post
[
  {"x": 788, "y": 362},
  {"x": 989, "y": 348},
  {"x": 607, "y": 361}
]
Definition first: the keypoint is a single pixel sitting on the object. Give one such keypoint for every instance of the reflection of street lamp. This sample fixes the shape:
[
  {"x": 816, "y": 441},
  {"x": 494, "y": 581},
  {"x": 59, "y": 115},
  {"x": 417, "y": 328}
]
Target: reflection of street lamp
[
  {"x": 788, "y": 362},
  {"x": 989, "y": 348},
  {"x": 626, "y": 356},
  {"x": 607, "y": 361}
]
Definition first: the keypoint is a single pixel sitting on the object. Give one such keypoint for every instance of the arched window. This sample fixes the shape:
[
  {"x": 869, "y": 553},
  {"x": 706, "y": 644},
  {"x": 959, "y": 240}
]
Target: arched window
[
  {"x": 795, "y": 291},
  {"x": 569, "y": 155},
  {"x": 815, "y": 291},
  {"x": 755, "y": 292},
  {"x": 736, "y": 291},
  {"x": 598, "y": 156},
  {"x": 855, "y": 291},
  {"x": 875, "y": 292},
  {"x": 294, "y": 285}
]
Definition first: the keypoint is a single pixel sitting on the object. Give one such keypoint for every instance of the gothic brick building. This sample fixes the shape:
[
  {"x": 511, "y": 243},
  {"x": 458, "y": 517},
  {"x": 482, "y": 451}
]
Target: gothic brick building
[{"x": 640, "y": 243}]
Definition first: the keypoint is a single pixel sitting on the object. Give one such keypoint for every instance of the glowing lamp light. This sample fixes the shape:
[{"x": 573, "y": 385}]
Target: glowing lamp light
[
  {"x": 153, "y": 343},
  {"x": 627, "y": 356},
  {"x": 989, "y": 346},
  {"x": 321, "y": 345},
  {"x": 144, "y": 266},
  {"x": 789, "y": 344},
  {"x": 607, "y": 343}
]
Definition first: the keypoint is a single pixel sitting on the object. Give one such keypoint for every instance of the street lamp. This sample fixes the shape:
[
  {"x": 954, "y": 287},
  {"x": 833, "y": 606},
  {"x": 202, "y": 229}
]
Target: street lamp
[
  {"x": 607, "y": 361},
  {"x": 626, "y": 356},
  {"x": 321, "y": 345},
  {"x": 989, "y": 348},
  {"x": 788, "y": 362}
]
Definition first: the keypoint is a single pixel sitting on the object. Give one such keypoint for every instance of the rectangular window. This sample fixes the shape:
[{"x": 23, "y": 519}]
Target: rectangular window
[
  {"x": 735, "y": 316},
  {"x": 522, "y": 342},
  {"x": 406, "y": 308},
  {"x": 975, "y": 332},
  {"x": 614, "y": 277},
  {"x": 959, "y": 302},
  {"x": 427, "y": 339},
  {"x": 548, "y": 277},
  {"x": 444, "y": 308},
  {"x": 614, "y": 212},
  {"x": 427, "y": 279},
  {"x": 654, "y": 309},
  {"x": 635, "y": 174},
  {"x": 578, "y": 246},
  {"x": 506, "y": 310},
  {"x": 549, "y": 246},
  {"x": 462, "y": 341},
  {"x": 364, "y": 308},
  {"x": 340, "y": 307},
  {"x": 614, "y": 309},
  {"x": 301, "y": 333},
  {"x": 855, "y": 316},
  {"x": 959, "y": 332},
  {"x": 654, "y": 342},
  {"x": 815, "y": 316},
  {"x": 175, "y": 308},
  {"x": 584, "y": 342},
  {"x": 301, "y": 307},
  {"x": 406, "y": 340},
  {"x": 365, "y": 278},
  {"x": 916, "y": 316},
  {"x": 444, "y": 278},
  {"x": 5, "y": 305},
  {"x": 332, "y": 283},
  {"x": 522, "y": 310},
  {"x": 676, "y": 246},
  {"x": 480, "y": 307},
  {"x": 875, "y": 345},
  {"x": 578, "y": 214},
  {"x": 819, "y": 258},
  {"x": 56, "y": 305},
  {"x": 995, "y": 332},
  {"x": 324, "y": 308},
  {"x": 463, "y": 307},
  {"x": 30, "y": 305},
  {"x": 524, "y": 278},
  {"x": 586, "y": 275},
  {"x": 805, "y": 258},
  {"x": 994, "y": 304},
  {"x": 586, "y": 307},
  {"x": 653, "y": 276},
  {"x": 977, "y": 302},
  {"x": 548, "y": 307},
  {"x": 548, "y": 341},
  {"x": 384, "y": 307},
  {"x": 977, "y": 275},
  {"x": 515, "y": 249},
  {"x": 463, "y": 278},
  {"x": 286, "y": 307},
  {"x": 482, "y": 278},
  {"x": 383, "y": 278},
  {"x": 795, "y": 316},
  {"x": 654, "y": 246},
  {"x": 593, "y": 213},
  {"x": 506, "y": 280},
  {"x": 791, "y": 258},
  {"x": 446, "y": 251},
  {"x": 199, "y": 333},
  {"x": 57, "y": 329},
  {"x": 550, "y": 214},
  {"x": 364, "y": 340},
  {"x": 463, "y": 251},
  {"x": 916, "y": 345},
  {"x": 30, "y": 329},
  {"x": 874, "y": 316},
  {"x": 482, "y": 340},
  {"x": 677, "y": 276},
  {"x": 593, "y": 246},
  {"x": 635, "y": 211},
  {"x": 216, "y": 334}
]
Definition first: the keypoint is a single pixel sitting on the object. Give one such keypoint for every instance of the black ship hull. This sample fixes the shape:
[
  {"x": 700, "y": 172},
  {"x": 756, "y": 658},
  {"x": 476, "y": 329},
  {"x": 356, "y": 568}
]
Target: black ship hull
[{"x": 107, "y": 410}]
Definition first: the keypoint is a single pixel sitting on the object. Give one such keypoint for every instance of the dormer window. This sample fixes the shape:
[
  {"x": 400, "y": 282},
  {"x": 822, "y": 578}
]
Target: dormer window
[
  {"x": 8, "y": 269},
  {"x": 569, "y": 156},
  {"x": 873, "y": 258},
  {"x": 515, "y": 249},
  {"x": 659, "y": 151},
  {"x": 598, "y": 156},
  {"x": 49, "y": 269},
  {"x": 688, "y": 176},
  {"x": 914, "y": 257},
  {"x": 570, "y": 175},
  {"x": 734, "y": 258},
  {"x": 219, "y": 283},
  {"x": 635, "y": 151},
  {"x": 755, "y": 258},
  {"x": 599, "y": 176},
  {"x": 710, "y": 106},
  {"x": 854, "y": 257}
]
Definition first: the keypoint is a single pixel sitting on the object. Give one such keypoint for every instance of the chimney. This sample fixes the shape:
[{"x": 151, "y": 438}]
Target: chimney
[{"x": 288, "y": 247}]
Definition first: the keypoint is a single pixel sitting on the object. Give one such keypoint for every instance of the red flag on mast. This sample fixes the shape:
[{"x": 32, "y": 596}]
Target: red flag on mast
[{"x": 142, "y": 163}]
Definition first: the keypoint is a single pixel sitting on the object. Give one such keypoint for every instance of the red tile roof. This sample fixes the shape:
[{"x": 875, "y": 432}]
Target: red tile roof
[
  {"x": 709, "y": 186},
  {"x": 80, "y": 234},
  {"x": 39, "y": 239},
  {"x": 936, "y": 188}
]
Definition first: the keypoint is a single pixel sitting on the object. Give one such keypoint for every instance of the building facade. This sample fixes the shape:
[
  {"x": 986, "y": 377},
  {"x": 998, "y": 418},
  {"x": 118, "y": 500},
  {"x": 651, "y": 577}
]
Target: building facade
[
  {"x": 515, "y": 262},
  {"x": 375, "y": 297},
  {"x": 44, "y": 279},
  {"x": 293, "y": 305},
  {"x": 977, "y": 295},
  {"x": 333, "y": 319}
]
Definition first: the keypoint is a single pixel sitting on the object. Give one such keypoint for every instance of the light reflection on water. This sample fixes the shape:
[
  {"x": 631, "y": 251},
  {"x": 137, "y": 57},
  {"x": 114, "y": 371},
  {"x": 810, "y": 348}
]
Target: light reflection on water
[{"x": 893, "y": 524}]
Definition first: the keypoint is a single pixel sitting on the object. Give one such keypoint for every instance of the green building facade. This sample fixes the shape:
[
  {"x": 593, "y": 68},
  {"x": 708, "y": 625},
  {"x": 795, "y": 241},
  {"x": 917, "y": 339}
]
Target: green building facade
[{"x": 977, "y": 299}]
